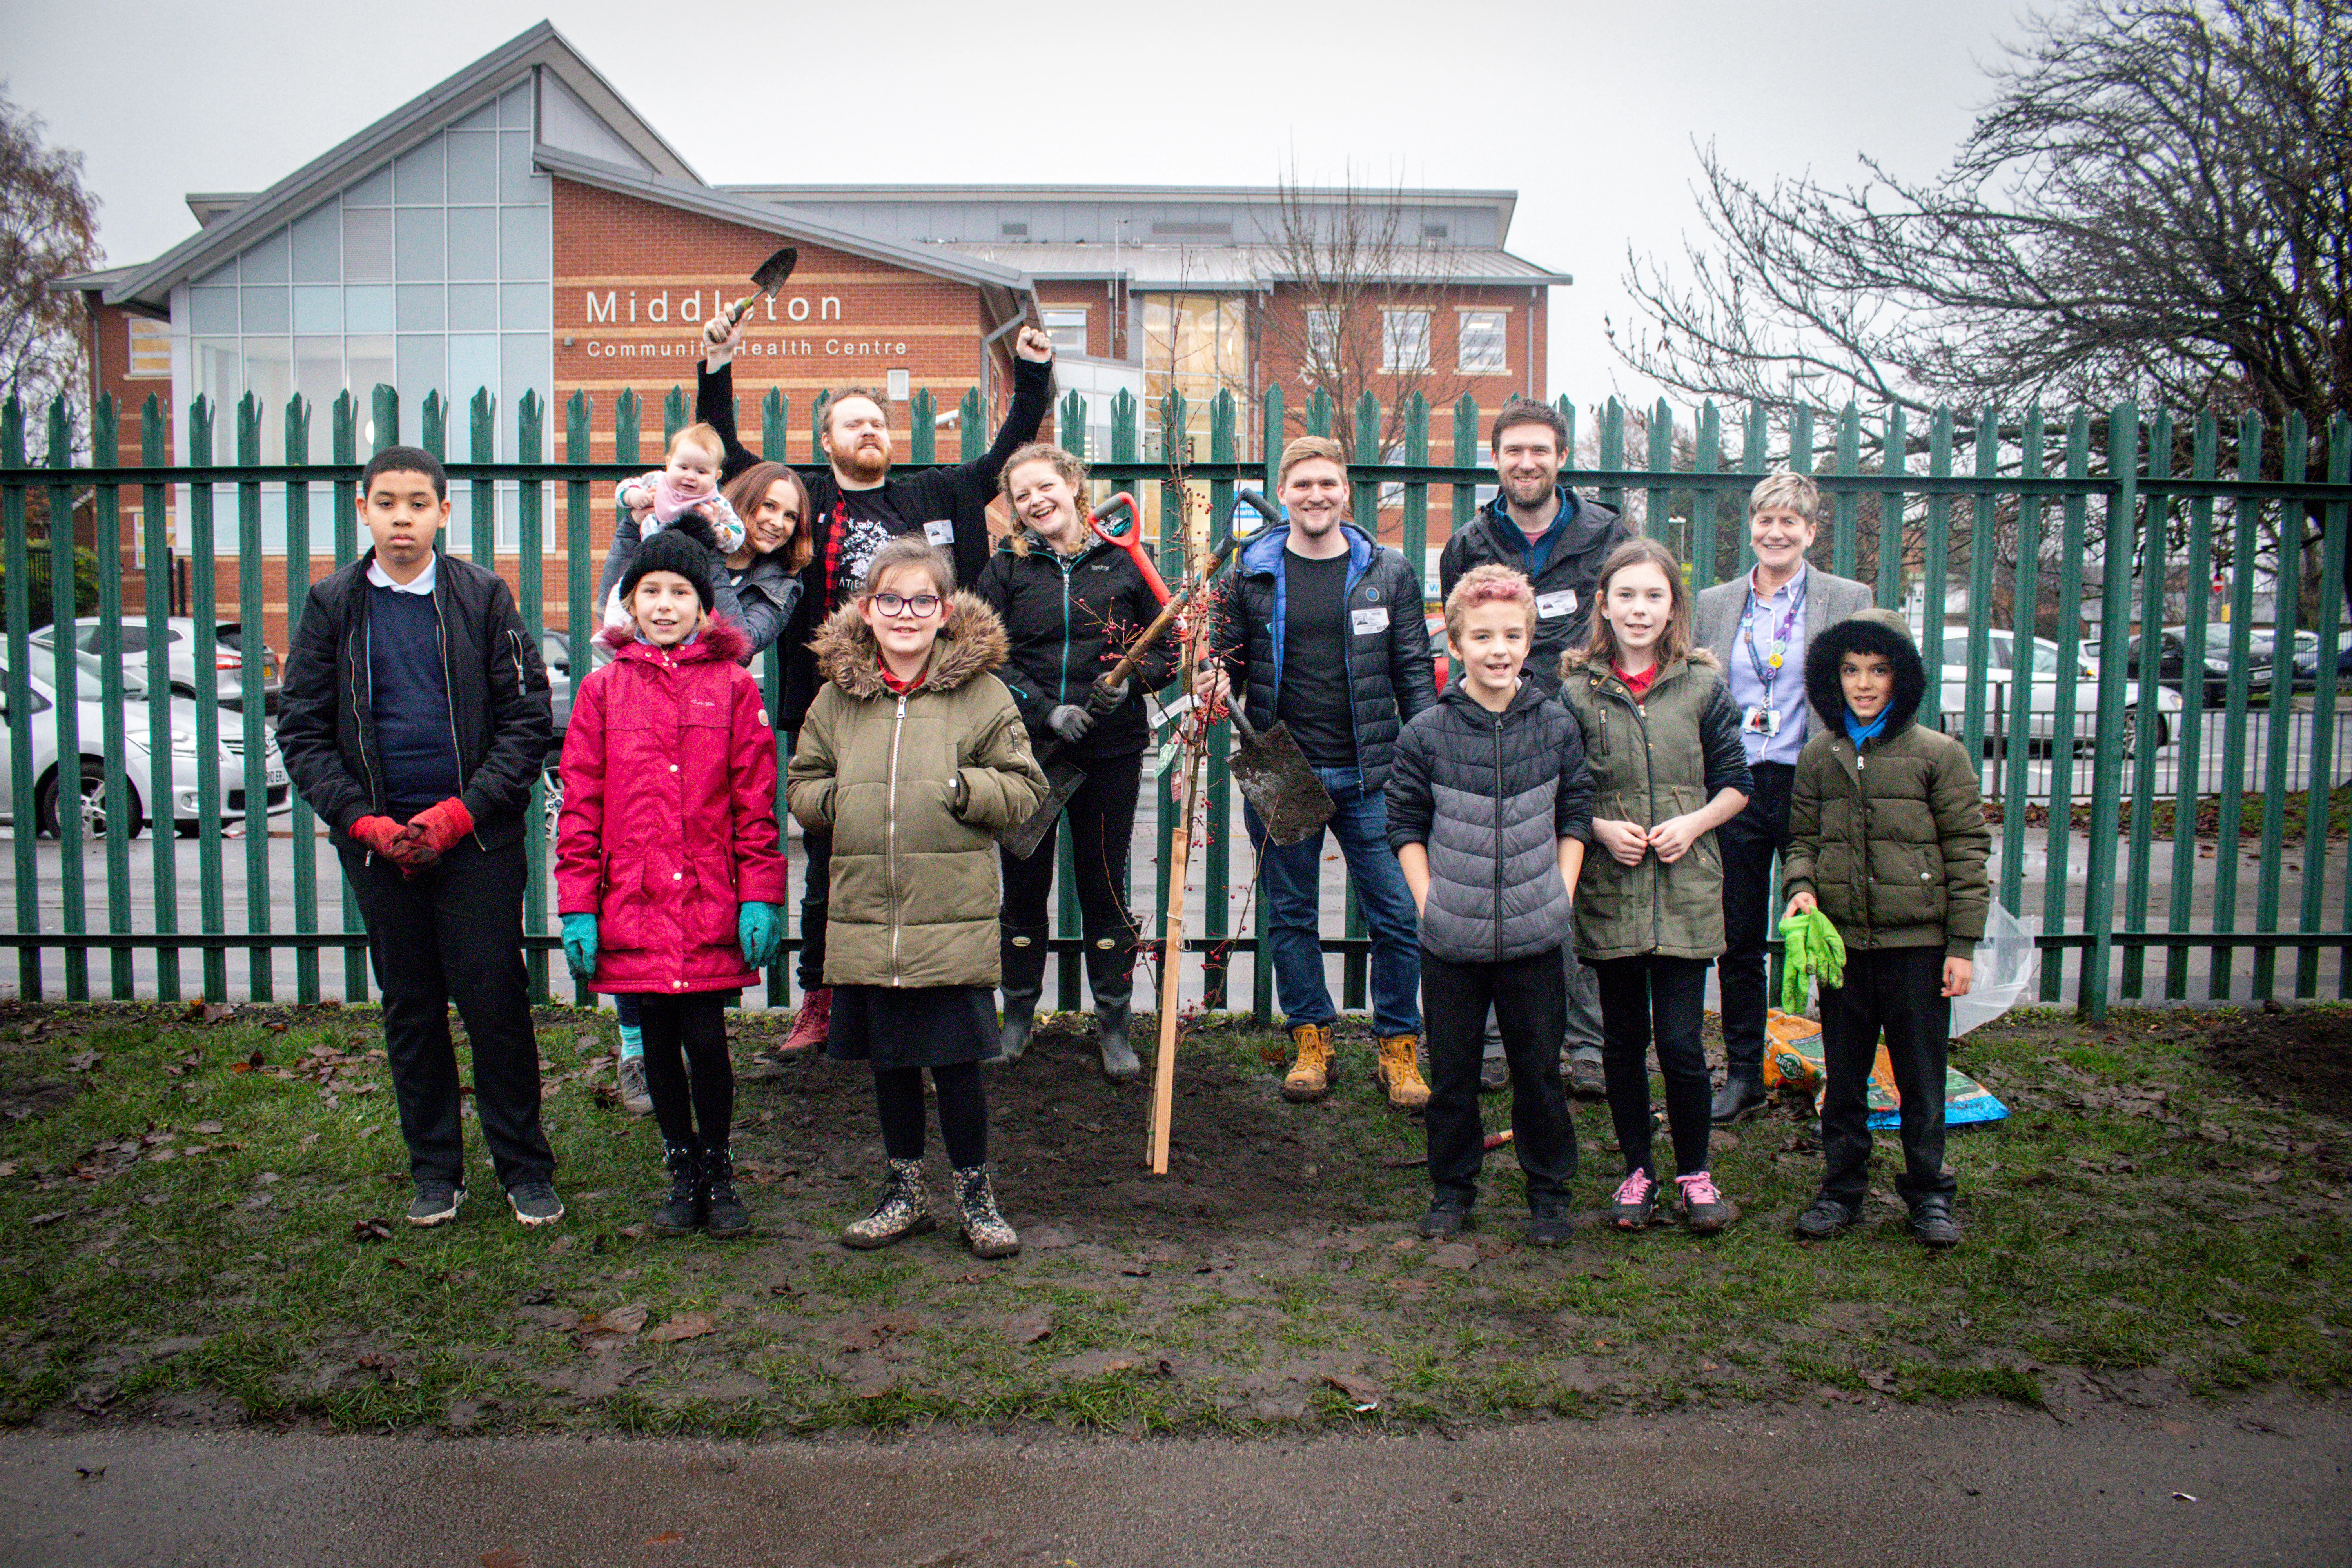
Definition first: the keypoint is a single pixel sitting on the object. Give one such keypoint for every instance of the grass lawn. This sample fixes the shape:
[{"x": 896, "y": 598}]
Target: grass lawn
[{"x": 185, "y": 1208}]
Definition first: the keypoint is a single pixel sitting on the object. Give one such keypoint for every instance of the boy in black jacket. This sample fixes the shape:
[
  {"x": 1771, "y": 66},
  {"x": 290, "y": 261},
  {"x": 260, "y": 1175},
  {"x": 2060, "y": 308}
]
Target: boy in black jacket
[
  {"x": 1490, "y": 807},
  {"x": 414, "y": 721}
]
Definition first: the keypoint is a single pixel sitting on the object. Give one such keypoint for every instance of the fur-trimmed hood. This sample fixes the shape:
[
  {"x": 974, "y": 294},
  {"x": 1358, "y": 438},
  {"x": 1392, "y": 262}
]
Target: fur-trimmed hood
[
  {"x": 1578, "y": 659},
  {"x": 1883, "y": 633},
  {"x": 972, "y": 644},
  {"x": 721, "y": 636}
]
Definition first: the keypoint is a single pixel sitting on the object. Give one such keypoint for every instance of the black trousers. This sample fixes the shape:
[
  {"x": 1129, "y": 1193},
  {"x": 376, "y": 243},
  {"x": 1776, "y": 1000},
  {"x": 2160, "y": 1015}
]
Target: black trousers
[
  {"x": 1101, "y": 815},
  {"x": 809, "y": 972},
  {"x": 453, "y": 934},
  {"x": 688, "y": 1075},
  {"x": 1530, "y": 997},
  {"x": 1653, "y": 998},
  {"x": 1898, "y": 990},
  {"x": 1751, "y": 907}
]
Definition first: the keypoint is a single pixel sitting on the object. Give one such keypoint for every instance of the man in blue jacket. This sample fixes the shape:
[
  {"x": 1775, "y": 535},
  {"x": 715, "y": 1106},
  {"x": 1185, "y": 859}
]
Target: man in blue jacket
[{"x": 1320, "y": 627}]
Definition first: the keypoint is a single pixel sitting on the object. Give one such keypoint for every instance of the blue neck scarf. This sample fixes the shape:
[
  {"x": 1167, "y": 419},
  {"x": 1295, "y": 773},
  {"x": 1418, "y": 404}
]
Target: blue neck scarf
[{"x": 1857, "y": 732}]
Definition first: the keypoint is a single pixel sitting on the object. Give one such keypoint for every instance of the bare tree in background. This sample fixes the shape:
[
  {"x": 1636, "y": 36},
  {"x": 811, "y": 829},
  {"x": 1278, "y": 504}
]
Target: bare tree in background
[
  {"x": 49, "y": 229},
  {"x": 2157, "y": 205},
  {"x": 1356, "y": 270}
]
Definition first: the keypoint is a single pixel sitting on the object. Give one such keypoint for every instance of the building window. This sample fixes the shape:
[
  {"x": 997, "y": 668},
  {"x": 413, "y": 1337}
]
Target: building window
[
  {"x": 1066, "y": 325},
  {"x": 1404, "y": 341},
  {"x": 151, "y": 350},
  {"x": 1484, "y": 339},
  {"x": 1436, "y": 230},
  {"x": 1323, "y": 340},
  {"x": 1012, "y": 231}
]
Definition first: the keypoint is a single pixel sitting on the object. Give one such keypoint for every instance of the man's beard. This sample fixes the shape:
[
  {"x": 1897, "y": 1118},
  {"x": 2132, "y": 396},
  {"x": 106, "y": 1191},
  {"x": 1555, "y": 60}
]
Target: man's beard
[{"x": 863, "y": 463}]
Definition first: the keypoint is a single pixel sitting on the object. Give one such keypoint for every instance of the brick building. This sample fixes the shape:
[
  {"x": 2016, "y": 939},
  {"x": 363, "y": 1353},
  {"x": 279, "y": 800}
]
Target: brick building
[{"x": 520, "y": 230}]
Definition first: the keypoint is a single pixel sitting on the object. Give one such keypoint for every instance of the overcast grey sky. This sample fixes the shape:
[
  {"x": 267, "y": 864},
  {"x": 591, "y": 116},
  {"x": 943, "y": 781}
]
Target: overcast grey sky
[{"x": 1588, "y": 110}]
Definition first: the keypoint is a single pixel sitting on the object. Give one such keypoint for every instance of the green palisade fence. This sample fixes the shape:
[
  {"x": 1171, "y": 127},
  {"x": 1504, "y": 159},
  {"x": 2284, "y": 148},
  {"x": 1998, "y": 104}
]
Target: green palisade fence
[{"x": 2112, "y": 778}]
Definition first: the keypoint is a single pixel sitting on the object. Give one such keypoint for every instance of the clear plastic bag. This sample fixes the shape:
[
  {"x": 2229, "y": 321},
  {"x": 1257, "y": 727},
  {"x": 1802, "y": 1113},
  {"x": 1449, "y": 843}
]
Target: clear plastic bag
[{"x": 2008, "y": 963}]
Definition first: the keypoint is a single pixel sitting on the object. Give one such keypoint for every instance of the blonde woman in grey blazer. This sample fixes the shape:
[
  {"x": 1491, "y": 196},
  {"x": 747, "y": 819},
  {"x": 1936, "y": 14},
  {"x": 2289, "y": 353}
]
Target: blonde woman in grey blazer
[{"x": 1759, "y": 625}]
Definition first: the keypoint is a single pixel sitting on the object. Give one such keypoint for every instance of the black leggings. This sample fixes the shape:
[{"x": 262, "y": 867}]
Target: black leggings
[
  {"x": 1654, "y": 999},
  {"x": 688, "y": 1075},
  {"x": 963, "y": 1113}
]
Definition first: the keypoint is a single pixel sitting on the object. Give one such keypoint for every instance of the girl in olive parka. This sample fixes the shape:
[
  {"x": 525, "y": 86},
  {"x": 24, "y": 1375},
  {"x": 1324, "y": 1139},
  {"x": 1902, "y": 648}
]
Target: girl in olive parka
[
  {"x": 1662, "y": 738},
  {"x": 914, "y": 758}
]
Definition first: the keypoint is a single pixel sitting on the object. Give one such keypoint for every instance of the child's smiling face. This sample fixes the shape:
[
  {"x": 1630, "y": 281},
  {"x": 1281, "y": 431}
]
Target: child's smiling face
[
  {"x": 668, "y": 609},
  {"x": 1869, "y": 682},
  {"x": 905, "y": 610},
  {"x": 693, "y": 471}
]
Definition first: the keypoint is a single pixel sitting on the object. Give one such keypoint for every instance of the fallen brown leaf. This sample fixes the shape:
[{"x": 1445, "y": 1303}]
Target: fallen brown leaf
[
  {"x": 1028, "y": 1328},
  {"x": 504, "y": 1557},
  {"x": 666, "y": 1538},
  {"x": 366, "y": 1230},
  {"x": 683, "y": 1326},
  {"x": 52, "y": 1217}
]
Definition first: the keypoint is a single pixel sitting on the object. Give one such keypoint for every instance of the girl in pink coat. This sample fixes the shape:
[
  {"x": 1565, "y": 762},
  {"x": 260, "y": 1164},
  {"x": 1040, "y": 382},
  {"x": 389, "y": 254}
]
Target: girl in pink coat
[{"x": 669, "y": 875}]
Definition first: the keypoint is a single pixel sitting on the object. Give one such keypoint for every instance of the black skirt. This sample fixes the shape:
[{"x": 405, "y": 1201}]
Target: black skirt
[{"x": 912, "y": 1026}]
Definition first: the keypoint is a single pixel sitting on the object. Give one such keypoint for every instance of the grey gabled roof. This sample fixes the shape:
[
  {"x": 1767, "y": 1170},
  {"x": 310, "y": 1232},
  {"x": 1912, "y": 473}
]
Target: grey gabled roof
[
  {"x": 412, "y": 122},
  {"x": 1243, "y": 267},
  {"x": 938, "y": 260}
]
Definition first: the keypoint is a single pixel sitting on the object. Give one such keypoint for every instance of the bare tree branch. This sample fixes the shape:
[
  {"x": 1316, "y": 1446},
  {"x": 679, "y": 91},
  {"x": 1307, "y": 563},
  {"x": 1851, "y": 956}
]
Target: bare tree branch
[{"x": 49, "y": 229}]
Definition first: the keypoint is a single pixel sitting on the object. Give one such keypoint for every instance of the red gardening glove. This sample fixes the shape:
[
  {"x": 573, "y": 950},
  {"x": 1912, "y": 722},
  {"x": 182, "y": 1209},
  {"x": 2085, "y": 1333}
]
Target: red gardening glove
[
  {"x": 431, "y": 833},
  {"x": 381, "y": 834}
]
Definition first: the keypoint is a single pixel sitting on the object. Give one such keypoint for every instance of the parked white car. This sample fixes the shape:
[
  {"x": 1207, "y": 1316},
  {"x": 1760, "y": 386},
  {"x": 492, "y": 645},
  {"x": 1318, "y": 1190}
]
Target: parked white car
[
  {"x": 227, "y": 681},
  {"x": 38, "y": 729},
  {"x": 2006, "y": 686}
]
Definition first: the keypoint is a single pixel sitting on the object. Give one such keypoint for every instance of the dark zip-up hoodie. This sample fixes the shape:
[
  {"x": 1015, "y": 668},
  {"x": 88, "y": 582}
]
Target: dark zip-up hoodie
[{"x": 1586, "y": 533}]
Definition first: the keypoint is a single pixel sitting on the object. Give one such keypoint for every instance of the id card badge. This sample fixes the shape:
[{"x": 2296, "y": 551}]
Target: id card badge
[
  {"x": 1559, "y": 602},
  {"x": 940, "y": 531},
  {"x": 1375, "y": 619},
  {"x": 1760, "y": 720}
]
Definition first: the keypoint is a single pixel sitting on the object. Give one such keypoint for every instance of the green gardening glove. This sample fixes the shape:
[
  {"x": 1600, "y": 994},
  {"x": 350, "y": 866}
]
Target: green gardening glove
[
  {"x": 758, "y": 930},
  {"x": 580, "y": 944},
  {"x": 1796, "y": 963},
  {"x": 1829, "y": 950}
]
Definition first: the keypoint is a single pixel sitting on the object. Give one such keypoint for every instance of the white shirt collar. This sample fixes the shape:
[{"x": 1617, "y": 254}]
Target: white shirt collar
[{"x": 422, "y": 586}]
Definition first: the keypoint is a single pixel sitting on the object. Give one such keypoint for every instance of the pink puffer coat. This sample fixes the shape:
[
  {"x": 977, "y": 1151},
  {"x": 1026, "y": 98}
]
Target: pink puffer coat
[{"x": 669, "y": 813}]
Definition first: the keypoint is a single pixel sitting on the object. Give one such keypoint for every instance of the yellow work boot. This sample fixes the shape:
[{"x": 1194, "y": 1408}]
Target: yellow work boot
[
  {"x": 1398, "y": 1070},
  {"x": 1312, "y": 1074}
]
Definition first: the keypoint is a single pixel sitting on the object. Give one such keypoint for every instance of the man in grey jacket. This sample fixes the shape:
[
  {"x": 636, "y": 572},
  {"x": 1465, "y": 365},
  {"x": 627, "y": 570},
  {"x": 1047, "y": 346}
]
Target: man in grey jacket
[{"x": 1759, "y": 625}]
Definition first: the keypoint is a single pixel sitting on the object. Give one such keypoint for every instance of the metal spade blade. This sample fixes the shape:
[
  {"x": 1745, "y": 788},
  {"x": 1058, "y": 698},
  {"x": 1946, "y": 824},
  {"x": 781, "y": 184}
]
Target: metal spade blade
[
  {"x": 1276, "y": 778},
  {"x": 1062, "y": 778}
]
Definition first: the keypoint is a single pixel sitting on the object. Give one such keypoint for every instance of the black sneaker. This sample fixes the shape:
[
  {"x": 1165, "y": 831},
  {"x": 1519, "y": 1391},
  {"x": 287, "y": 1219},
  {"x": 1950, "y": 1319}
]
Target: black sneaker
[
  {"x": 1444, "y": 1220},
  {"x": 1634, "y": 1204},
  {"x": 1826, "y": 1218},
  {"x": 1933, "y": 1224},
  {"x": 1740, "y": 1097},
  {"x": 1494, "y": 1074},
  {"x": 1585, "y": 1079},
  {"x": 436, "y": 1203},
  {"x": 1552, "y": 1223},
  {"x": 535, "y": 1203}
]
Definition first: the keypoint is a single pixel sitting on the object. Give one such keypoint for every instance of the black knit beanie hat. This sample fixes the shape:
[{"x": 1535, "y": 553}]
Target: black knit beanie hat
[{"x": 686, "y": 547}]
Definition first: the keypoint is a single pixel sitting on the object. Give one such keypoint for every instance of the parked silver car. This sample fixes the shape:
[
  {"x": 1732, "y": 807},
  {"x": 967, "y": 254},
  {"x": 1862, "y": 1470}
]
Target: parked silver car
[
  {"x": 38, "y": 730},
  {"x": 227, "y": 680}
]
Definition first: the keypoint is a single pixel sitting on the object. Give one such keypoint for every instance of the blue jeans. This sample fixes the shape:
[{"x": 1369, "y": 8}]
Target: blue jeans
[{"x": 1290, "y": 877}]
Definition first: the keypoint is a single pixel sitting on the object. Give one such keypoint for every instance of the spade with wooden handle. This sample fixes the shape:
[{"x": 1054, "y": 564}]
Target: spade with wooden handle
[
  {"x": 765, "y": 281},
  {"x": 1276, "y": 777}
]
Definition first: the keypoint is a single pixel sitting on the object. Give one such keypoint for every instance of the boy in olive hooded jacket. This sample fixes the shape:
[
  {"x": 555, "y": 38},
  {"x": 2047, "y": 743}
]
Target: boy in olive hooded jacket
[{"x": 1888, "y": 837}]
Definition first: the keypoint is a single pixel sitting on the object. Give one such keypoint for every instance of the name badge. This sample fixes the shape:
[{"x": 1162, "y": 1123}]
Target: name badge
[
  {"x": 1375, "y": 619},
  {"x": 1559, "y": 602},
  {"x": 940, "y": 531}
]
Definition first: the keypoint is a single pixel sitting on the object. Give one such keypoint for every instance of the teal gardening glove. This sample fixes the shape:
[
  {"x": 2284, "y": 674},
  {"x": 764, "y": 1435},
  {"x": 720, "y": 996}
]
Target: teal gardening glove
[
  {"x": 580, "y": 945},
  {"x": 759, "y": 930}
]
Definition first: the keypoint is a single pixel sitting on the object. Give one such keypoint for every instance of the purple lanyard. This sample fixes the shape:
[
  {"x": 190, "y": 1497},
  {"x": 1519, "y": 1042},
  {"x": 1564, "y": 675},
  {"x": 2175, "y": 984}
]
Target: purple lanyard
[{"x": 1769, "y": 677}]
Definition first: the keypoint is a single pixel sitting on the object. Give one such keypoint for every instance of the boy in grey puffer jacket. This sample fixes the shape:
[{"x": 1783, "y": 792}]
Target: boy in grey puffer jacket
[{"x": 1490, "y": 807}]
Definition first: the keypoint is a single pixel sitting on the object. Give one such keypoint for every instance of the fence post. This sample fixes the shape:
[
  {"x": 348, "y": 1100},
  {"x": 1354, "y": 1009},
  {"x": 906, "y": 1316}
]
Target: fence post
[
  {"x": 302, "y": 825},
  {"x": 922, "y": 428},
  {"x": 2147, "y": 728},
  {"x": 260, "y": 970},
  {"x": 530, "y": 575},
  {"x": 1661, "y": 496},
  {"x": 580, "y": 618},
  {"x": 2061, "y": 717},
  {"x": 106, "y": 536},
  {"x": 482, "y": 495},
  {"x": 345, "y": 438},
  {"x": 202, "y": 563},
  {"x": 2229, "y": 814},
  {"x": 20, "y": 613},
  {"x": 2025, "y": 621},
  {"x": 1706, "y": 500},
  {"x": 1894, "y": 459},
  {"x": 1845, "y": 505},
  {"x": 2107, "y": 783},
  {"x": 1216, "y": 927},
  {"x": 2294, "y": 457},
  {"x": 64, "y": 680},
  {"x": 1983, "y": 516},
  {"x": 2188, "y": 765},
  {"x": 1261, "y": 960},
  {"x": 2319, "y": 797}
]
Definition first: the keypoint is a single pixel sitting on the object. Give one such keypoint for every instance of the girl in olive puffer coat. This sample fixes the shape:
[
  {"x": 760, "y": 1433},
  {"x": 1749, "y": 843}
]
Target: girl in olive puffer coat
[
  {"x": 914, "y": 758},
  {"x": 1662, "y": 737}
]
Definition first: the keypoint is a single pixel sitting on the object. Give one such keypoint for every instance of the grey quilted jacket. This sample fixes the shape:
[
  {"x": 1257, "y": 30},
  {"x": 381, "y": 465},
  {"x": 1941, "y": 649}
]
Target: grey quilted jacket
[{"x": 1491, "y": 795}]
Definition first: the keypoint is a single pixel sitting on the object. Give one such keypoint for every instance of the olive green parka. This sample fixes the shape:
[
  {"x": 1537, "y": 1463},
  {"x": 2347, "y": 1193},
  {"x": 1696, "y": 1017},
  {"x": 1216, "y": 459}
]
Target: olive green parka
[
  {"x": 1890, "y": 838},
  {"x": 914, "y": 852}
]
